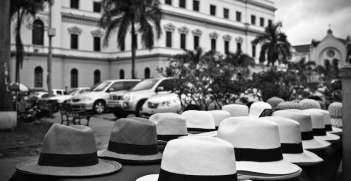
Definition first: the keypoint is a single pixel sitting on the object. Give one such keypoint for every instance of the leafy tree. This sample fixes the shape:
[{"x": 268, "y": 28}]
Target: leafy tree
[
  {"x": 122, "y": 15},
  {"x": 348, "y": 48},
  {"x": 275, "y": 45},
  {"x": 241, "y": 61}
]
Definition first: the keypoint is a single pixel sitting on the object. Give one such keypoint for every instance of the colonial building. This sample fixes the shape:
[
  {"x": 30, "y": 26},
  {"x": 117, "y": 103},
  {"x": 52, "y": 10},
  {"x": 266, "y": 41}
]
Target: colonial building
[{"x": 80, "y": 60}]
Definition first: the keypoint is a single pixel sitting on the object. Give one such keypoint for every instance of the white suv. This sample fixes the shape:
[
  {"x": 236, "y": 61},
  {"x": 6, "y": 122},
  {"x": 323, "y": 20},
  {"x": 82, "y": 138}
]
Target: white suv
[{"x": 96, "y": 99}]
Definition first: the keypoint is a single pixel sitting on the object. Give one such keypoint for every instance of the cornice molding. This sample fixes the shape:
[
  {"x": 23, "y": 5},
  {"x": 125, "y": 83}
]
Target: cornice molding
[
  {"x": 239, "y": 39},
  {"x": 183, "y": 30},
  {"x": 197, "y": 32},
  {"x": 169, "y": 27},
  {"x": 75, "y": 30},
  {"x": 97, "y": 33},
  {"x": 214, "y": 35},
  {"x": 271, "y": 8},
  {"x": 227, "y": 37}
]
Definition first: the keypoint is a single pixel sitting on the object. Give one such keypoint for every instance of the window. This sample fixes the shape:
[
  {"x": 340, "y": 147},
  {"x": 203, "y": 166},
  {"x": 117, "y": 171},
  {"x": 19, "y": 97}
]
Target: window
[
  {"x": 117, "y": 86},
  {"x": 129, "y": 85},
  {"x": 213, "y": 10},
  {"x": 183, "y": 41},
  {"x": 226, "y": 47},
  {"x": 167, "y": 85},
  {"x": 97, "y": 7},
  {"x": 147, "y": 73},
  {"x": 253, "y": 19},
  {"x": 335, "y": 63},
  {"x": 38, "y": 77},
  {"x": 253, "y": 50},
  {"x": 238, "y": 46},
  {"x": 38, "y": 32},
  {"x": 226, "y": 13},
  {"x": 121, "y": 74},
  {"x": 97, "y": 44},
  {"x": 238, "y": 16},
  {"x": 136, "y": 41},
  {"x": 270, "y": 22},
  {"x": 168, "y": 39},
  {"x": 182, "y": 3},
  {"x": 169, "y": 2},
  {"x": 326, "y": 63},
  {"x": 75, "y": 4},
  {"x": 122, "y": 46},
  {"x": 97, "y": 76},
  {"x": 74, "y": 41},
  {"x": 262, "y": 22},
  {"x": 74, "y": 78},
  {"x": 196, "y": 42},
  {"x": 213, "y": 44},
  {"x": 196, "y": 5}
]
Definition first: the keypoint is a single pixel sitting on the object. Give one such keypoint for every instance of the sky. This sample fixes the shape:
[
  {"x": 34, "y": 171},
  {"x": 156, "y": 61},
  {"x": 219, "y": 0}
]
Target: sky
[{"x": 304, "y": 20}]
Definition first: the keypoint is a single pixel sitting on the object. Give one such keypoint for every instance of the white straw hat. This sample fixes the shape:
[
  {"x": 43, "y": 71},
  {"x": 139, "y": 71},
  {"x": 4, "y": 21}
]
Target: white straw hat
[
  {"x": 199, "y": 121},
  {"x": 335, "y": 111},
  {"x": 169, "y": 126},
  {"x": 308, "y": 140},
  {"x": 309, "y": 104},
  {"x": 289, "y": 105},
  {"x": 133, "y": 140},
  {"x": 291, "y": 143},
  {"x": 69, "y": 151},
  {"x": 257, "y": 108},
  {"x": 257, "y": 148},
  {"x": 319, "y": 127},
  {"x": 328, "y": 127},
  {"x": 196, "y": 158},
  {"x": 236, "y": 110},
  {"x": 219, "y": 116}
]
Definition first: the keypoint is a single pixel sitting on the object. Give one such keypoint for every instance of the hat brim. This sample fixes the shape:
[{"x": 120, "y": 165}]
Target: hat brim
[
  {"x": 102, "y": 168},
  {"x": 332, "y": 138},
  {"x": 281, "y": 167},
  {"x": 306, "y": 158},
  {"x": 315, "y": 145},
  {"x": 336, "y": 131},
  {"x": 243, "y": 175},
  {"x": 154, "y": 177},
  {"x": 211, "y": 134},
  {"x": 129, "y": 158}
]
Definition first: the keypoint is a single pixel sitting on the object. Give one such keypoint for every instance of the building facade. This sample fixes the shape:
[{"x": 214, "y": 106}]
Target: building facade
[{"x": 80, "y": 60}]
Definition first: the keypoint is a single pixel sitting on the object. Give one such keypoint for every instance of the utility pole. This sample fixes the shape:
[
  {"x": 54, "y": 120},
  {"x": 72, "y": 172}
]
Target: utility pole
[{"x": 51, "y": 33}]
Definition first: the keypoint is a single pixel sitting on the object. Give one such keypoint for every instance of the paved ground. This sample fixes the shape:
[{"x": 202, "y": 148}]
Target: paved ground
[{"x": 101, "y": 127}]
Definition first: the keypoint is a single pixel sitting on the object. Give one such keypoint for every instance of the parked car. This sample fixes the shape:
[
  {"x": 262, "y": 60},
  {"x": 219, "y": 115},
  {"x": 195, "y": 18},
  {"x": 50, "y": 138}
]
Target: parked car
[
  {"x": 74, "y": 92},
  {"x": 124, "y": 103},
  {"x": 163, "y": 103},
  {"x": 96, "y": 99},
  {"x": 58, "y": 92}
]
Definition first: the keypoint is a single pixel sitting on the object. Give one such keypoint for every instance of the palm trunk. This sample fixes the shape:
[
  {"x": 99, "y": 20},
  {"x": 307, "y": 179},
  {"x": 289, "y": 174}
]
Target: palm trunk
[
  {"x": 133, "y": 50},
  {"x": 5, "y": 95}
]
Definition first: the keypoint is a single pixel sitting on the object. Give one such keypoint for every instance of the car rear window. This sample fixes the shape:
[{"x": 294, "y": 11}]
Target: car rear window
[{"x": 145, "y": 84}]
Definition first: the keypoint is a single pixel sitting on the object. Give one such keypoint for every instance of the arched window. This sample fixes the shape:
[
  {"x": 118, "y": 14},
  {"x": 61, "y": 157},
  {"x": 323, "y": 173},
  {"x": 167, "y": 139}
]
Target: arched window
[
  {"x": 147, "y": 73},
  {"x": 121, "y": 74},
  {"x": 38, "y": 77},
  {"x": 74, "y": 78},
  {"x": 335, "y": 63},
  {"x": 326, "y": 63},
  {"x": 38, "y": 32},
  {"x": 97, "y": 77}
]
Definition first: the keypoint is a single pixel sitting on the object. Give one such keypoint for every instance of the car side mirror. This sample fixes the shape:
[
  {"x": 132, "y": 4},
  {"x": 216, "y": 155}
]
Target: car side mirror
[
  {"x": 158, "y": 89},
  {"x": 111, "y": 89}
]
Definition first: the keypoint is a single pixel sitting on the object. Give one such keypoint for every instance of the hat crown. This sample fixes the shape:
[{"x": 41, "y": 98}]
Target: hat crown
[
  {"x": 257, "y": 108},
  {"x": 249, "y": 132},
  {"x": 169, "y": 124},
  {"x": 289, "y": 105},
  {"x": 138, "y": 131},
  {"x": 302, "y": 118},
  {"x": 274, "y": 101},
  {"x": 335, "y": 109},
  {"x": 317, "y": 119},
  {"x": 309, "y": 103},
  {"x": 289, "y": 130},
  {"x": 205, "y": 156},
  {"x": 219, "y": 116},
  {"x": 326, "y": 115},
  {"x": 199, "y": 119},
  {"x": 70, "y": 140},
  {"x": 236, "y": 110}
]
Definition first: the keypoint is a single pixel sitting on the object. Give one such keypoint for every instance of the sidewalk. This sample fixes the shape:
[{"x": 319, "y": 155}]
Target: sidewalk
[{"x": 101, "y": 127}]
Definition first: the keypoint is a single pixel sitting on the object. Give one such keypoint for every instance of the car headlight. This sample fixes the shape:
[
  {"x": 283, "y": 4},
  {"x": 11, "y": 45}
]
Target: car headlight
[
  {"x": 85, "y": 99},
  {"x": 128, "y": 96},
  {"x": 169, "y": 103}
]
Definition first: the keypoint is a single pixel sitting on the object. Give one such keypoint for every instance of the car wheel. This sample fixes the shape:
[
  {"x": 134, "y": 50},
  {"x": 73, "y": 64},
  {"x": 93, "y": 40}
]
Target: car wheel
[
  {"x": 99, "y": 107},
  {"x": 139, "y": 108},
  {"x": 120, "y": 114}
]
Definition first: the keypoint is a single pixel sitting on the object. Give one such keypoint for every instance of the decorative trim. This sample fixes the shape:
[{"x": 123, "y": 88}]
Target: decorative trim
[
  {"x": 169, "y": 27},
  {"x": 239, "y": 39},
  {"x": 214, "y": 35},
  {"x": 227, "y": 37},
  {"x": 41, "y": 18},
  {"x": 197, "y": 32},
  {"x": 72, "y": 18},
  {"x": 97, "y": 33},
  {"x": 75, "y": 30},
  {"x": 183, "y": 30},
  {"x": 260, "y": 5}
]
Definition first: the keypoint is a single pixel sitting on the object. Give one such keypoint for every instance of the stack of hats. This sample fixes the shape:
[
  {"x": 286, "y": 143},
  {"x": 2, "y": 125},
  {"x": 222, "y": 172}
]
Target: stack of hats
[
  {"x": 335, "y": 111},
  {"x": 328, "y": 127},
  {"x": 274, "y": 101},
  {"x": 257, "y": 108},
  {"x": 199, "y": 121},
  {"x": 236, "y": 110},
  {"x": 289, "y": 105},
  {"x": 309, "y": 104}
]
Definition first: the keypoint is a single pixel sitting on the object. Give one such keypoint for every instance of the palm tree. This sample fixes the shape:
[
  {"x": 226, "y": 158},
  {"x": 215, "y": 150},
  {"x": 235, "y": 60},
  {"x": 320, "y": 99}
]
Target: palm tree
[
  {"x": 348, "y": 49},
  {"x": 275, "y": 45},
  {"x": 241, "y": 61},
  {"x": 5, "y": 95},
  {"x": 121, "y": 15}
]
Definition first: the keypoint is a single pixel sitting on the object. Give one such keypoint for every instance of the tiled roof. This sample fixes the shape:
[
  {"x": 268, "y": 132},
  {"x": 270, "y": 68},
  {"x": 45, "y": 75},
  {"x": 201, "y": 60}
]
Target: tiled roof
[{"x": 302, "y": 48}]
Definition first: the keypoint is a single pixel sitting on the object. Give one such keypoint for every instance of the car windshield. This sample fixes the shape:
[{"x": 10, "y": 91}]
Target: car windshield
[
  {"x": 100, "y": 86},
  {"x": 73, "y": 92},
  {"x": 145, "y": 84}
]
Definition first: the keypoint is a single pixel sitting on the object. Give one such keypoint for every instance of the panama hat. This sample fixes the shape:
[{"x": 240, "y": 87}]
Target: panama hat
[
  {"x": 309, "y": 104},
  {"x": 196, "y": 158},
  {"x": 274, "y": 101},
  {"x": 219, "y": 116},
  {"x": 319, "y": 127},
  {"x": 304, "y": 119},
  {"x": 257, "y": 148},
  {"x": 291, "y": 143},
  {"x": 199, "y": 121},
  {"x": 69, "y": 151},
  {"x": 328, "y": 127},
  {"x": 335, "y": 111},
  {"x": 169, "y": 126},
  {"x": 236, "y": 110},
  {"x": 257, "y": 108},
  {"x": 133, "y": 140},
  {"x": 289, "y": 105}
]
